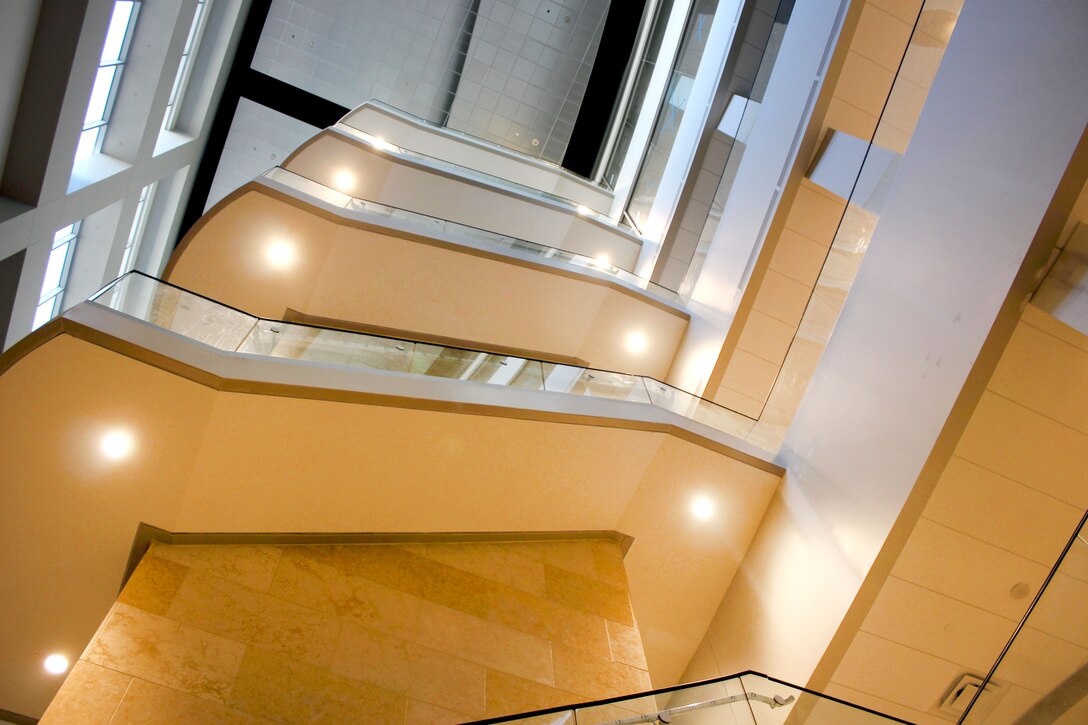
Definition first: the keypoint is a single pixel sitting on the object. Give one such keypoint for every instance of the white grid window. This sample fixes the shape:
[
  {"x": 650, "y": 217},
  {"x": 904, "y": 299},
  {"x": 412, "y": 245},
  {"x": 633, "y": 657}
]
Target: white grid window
[
  {"x": 108, "y": 78},
  {"x": 139, "y": 222},
  {"x": 181, "y": 81},
  {"x": 56, "y": 275}
]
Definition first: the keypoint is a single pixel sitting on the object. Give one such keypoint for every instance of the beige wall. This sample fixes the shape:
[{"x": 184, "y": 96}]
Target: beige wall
[
  {"x": 414, "y": 633},
  {"x": 1006, "y": 504},
  {"x": 207, "y": 460},
  {"x": 808, "y": 263},
  {"x": 349, "y": 273}
]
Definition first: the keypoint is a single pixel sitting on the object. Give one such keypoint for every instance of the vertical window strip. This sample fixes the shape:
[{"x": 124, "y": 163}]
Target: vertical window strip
[
  {"x": 107, "y": 79},
  {"x": 185, "y": 66},
  {"x": 56, "y": 274},
  {"x": 139, "y": 223}
]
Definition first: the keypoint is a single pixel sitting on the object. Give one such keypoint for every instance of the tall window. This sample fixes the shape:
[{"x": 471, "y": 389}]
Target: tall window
[
  {"x": 56, "y": 275},
  {"x": 108, "y": 78},
  {"x": 135, "y": 235},
  {"x": 186, "y": 66}
]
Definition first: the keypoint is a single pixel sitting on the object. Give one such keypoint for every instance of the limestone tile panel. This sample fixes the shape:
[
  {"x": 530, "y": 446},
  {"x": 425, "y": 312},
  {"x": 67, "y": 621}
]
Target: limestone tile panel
[
  {"x": 608, "y": 561},
  {"x": 625, "y": 644},
  {"x": 146, "y": 703},
  {"x": 397, "y": 568},
  {"x": 1013, "y": 704},
  {"x": 856, "y": 230},
  {"x": 486, "y": 643},
  {"x": 743, "y": 404},
  {"x": 815, "y": 213},
  {"x": 574, "y": 556},
  {"x": 864, "y": 83},
  {"x": 920, "y": 64},
  {"x": 782, "y": 298},
  {"x": 841, "y": 268},
  {"x": 593, "y": 678},
  {"x": 1053, "y": 326},
  {"x": 302, "y": 579},
  {"x": 766, "y": 337},
  {"x": 251, "y": 566},
  {"x": 420, "y": 672},
  {"x": 167, "y": 653},
  {"x": 508, "y": 694},
  {"x": 244, "y": 615},
  {"x": 1062, "y": 394},
  {"x": 1028, "y": 447},
  {"x": 1076, "y": 561},
  {"x": 750, "y": 375},
  {"x": 494, "y": 562},
  {"x": 548, "y": 620},
  {"x": 153, "y": 584},
  {"x": 588, "y": 595},
  {"x": 892, "y": 138},
  {"x": 894, "y": 709},
  {"x": 904, "y": 106},
  {"x": 803, "y": 356},
  {"x": 905, "y": 10},
  {"x": 970, "y": 570},
  {"x": 1039, "y": 661},
  {"x": 1063, "y": 610},
  {"x": 277, "y": 687},
  {"x": 89, "y": 695},
  {"x": 1001, "y": 511},
  {"x": 424, "y": 713},
  {"x": 798, "y": 257},
  {"x": 903, "y": 675},
  {"x": 850, "y": 119},
  {"x": 936, "y": 624},
  {"x": 881, "y": 36}
]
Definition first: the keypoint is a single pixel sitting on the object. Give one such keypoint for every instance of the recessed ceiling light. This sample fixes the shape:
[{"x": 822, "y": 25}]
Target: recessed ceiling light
[
  {"x": 583, "y": 209},
  {"x": 702, "y": 508},
  {"x": 344, "y": 181},
  {"x": 280, "y": 254},
  {"x": 603, "y": 260},
  {"x": 56, "y": 664},
  {"x": 636, "y": 342},
  {"x": 117, "y": 444}
]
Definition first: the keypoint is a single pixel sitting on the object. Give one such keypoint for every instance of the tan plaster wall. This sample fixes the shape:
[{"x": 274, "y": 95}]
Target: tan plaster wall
[
  {"x": 413, "y": 633},
  {"x": 347, "y": 273}
]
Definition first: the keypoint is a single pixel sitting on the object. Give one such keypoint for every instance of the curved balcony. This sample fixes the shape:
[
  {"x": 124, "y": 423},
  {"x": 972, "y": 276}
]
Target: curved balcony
[
  {"x": 407, "y": 131},
  {"x": 286, "y": 243},
  {"x": 111, "y": 420},
  {"x": 358, "y": 163}
]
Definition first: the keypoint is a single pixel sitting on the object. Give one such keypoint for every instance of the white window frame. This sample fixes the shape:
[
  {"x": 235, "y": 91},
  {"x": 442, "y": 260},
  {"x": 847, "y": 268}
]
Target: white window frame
[
  {"x": 52, "y": 296},
  {"x": 139, "y": 224},
  {"x": 185, "y": 66},
  {"x": 86, "y": 149}
]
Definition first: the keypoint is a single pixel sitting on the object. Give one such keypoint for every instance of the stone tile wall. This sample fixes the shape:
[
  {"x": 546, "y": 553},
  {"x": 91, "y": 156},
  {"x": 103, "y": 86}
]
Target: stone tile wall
[{"x": 412, "y": 633}]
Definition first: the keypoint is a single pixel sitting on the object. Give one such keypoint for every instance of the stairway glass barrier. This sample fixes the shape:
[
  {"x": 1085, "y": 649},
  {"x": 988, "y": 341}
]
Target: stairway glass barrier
[
  {"x": 221, "y": 326},
  {"x": 472, "y": 234},
  {"x": 746, "y": 699}
]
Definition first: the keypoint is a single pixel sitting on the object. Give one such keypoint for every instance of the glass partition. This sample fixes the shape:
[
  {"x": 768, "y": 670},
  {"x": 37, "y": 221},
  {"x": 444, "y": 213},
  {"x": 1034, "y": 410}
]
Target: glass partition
[
  {"x": 745, "y": 699},
  {"x": 1042, "y": 674},
  {"x": 472, "y": 234},
  {"x": 225, "y": 328}
]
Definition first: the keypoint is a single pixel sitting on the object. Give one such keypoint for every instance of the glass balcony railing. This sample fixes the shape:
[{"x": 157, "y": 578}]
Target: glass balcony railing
[
  {"x": 225, "y": 328},
  {"x": 472, "y": 234},
  {"x": 466, "y": 137},
  {"x": 745, "y": 699},
  {"x": 468, "y": 172}
]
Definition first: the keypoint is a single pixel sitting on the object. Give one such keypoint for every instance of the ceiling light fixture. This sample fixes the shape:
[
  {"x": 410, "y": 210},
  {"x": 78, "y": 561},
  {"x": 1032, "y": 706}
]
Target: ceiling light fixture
[
  {"x": 636, "y": 342},
  {"x": 280, "y": 254},
  {"x": 56, "y": 664},
  {"x": 117, "y": 444},
  {"x": 702, "y": 508},
  {"x": 583, "y": 209},
  {"x": 344, "y": 181}
]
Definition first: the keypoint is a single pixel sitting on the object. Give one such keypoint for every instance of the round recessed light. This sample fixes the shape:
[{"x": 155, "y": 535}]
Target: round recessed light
[
  {"x": 702, "y": 508},
  {"x": 280, "y": 254},
  {"x": 582, "y": 209},
  {"x": 344, "y": 181},
  {"x": 636, "y": 342},
  {"x": 117, "y": 444},
  {"x": 602, "y": 260},
  {"x": 56, "y": 664}
]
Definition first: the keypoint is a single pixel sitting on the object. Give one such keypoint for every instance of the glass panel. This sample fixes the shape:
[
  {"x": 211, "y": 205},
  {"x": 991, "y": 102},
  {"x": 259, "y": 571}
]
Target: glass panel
[
  {"x": 178, "y": 311},
  {"x": 775, "y": 703},
  {"x": 44, "y": 313},
  {"x": 54, "y": 269},
  {"x": 115, "y": 36},
  {"x": 193, "y": 28},
  {"x": 695, "y": 408},
  {"x": 594, "y": 383},
  {"x": 1043, "y": 677},
  {"x": 299, "y": 342},
  {"x": 65, "y": 232},
  {"x": 100, "y": 95},
  {"x": 88, "y": 143}
]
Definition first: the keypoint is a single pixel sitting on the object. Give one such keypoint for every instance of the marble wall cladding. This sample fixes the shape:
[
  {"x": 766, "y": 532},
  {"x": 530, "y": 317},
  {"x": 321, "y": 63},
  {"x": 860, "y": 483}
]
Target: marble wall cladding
[{"x": 405, "y": 633}]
